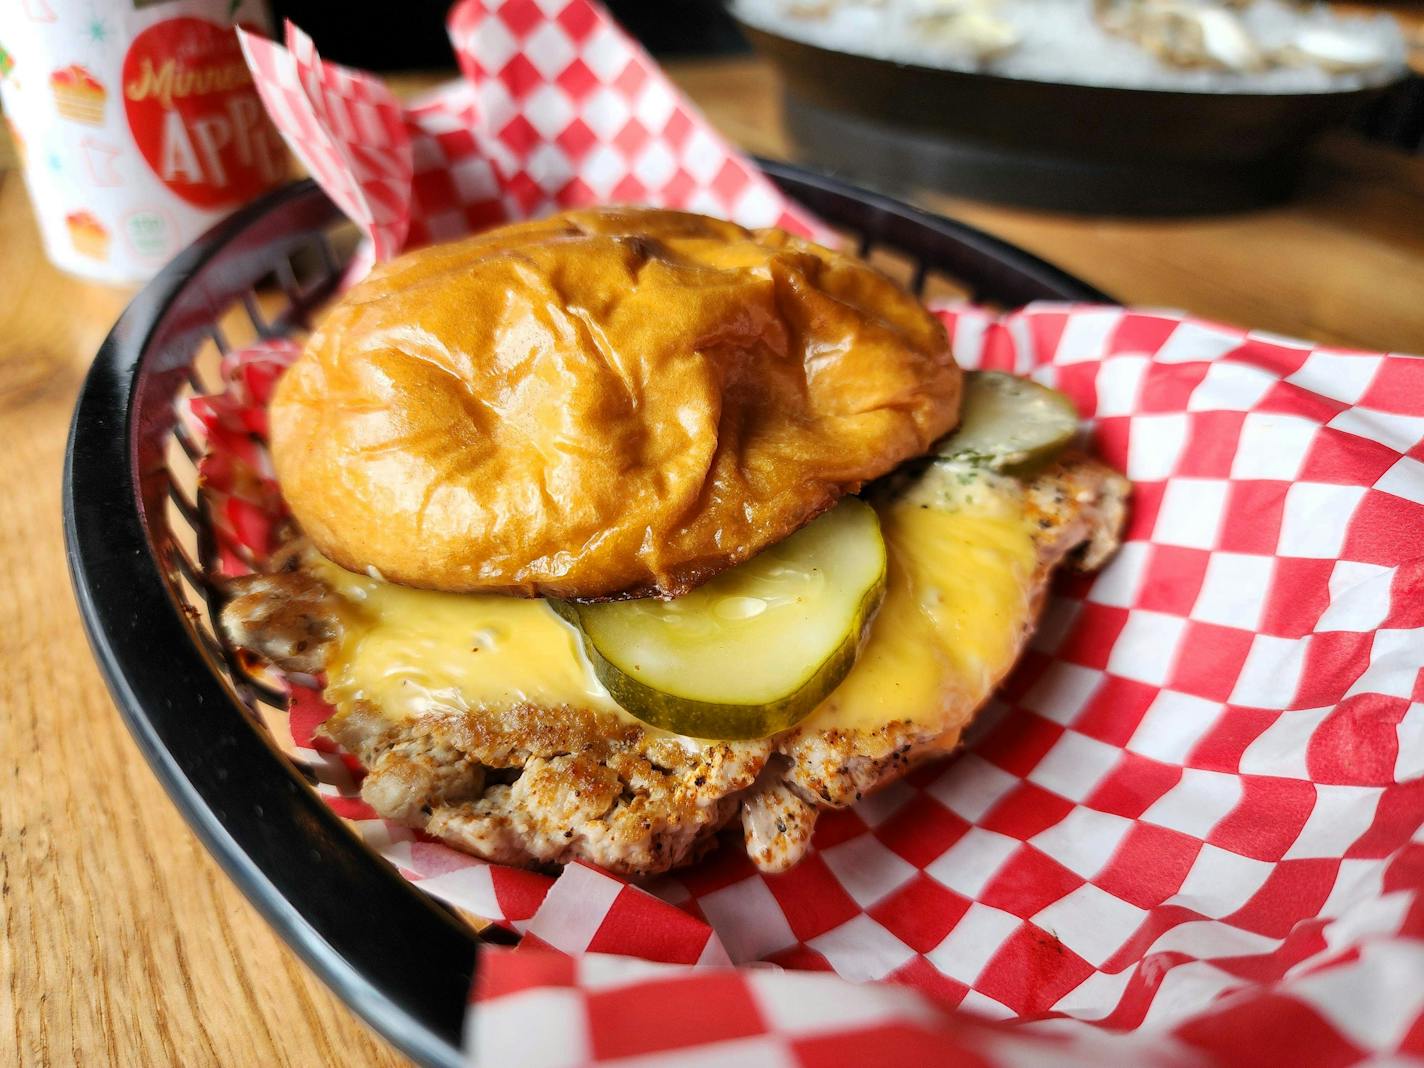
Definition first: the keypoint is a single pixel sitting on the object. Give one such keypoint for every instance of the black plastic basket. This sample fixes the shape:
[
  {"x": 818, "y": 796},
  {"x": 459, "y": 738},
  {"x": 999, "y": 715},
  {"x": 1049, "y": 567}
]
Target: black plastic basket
[{"x": 141, "y": 549}]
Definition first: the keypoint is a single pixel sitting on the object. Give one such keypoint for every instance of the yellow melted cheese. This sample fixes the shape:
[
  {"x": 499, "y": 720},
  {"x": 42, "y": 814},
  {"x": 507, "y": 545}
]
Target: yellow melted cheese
[
  {"x": 414, "y": 651},
  {"x": 957, "y": 600}
]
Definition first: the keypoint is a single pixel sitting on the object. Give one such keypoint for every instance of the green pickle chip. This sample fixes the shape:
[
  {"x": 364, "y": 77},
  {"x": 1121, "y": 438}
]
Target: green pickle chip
[{"x": 755, "y": 649}]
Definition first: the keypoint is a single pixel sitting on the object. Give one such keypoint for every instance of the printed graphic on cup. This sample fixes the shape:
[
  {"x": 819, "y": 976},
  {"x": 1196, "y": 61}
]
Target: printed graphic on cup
[
  {"x": 136, "y": 123},
  {"x": 195, "y": 115},
  {"x": 88, "y": 235},
  {"x": 78, "y": 95},
  {"x": 148, "y": 232}
]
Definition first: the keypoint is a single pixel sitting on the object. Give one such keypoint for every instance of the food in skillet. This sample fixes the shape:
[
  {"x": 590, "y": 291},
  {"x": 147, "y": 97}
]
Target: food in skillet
[
  {"x": 1243, "y": 46},
  {"x": 615, "y": 526}
]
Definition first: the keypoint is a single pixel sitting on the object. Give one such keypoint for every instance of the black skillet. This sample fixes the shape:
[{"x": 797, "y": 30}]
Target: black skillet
[{"x": 1046, "y": 144}]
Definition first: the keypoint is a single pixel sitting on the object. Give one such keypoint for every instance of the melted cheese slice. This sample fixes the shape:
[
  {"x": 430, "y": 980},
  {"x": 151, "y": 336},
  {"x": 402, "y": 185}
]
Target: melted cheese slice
[
  {"x": 957, "y": 603},
  {"x": 415, "y": 651}
]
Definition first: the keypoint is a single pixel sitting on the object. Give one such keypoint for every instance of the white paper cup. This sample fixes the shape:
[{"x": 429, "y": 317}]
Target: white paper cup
[{"x": 136, "y": 123}]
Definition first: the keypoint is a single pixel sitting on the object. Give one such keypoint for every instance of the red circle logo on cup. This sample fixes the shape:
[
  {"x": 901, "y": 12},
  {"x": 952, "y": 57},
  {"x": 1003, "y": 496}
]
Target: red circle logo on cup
[{"x": 196, "y": 116}]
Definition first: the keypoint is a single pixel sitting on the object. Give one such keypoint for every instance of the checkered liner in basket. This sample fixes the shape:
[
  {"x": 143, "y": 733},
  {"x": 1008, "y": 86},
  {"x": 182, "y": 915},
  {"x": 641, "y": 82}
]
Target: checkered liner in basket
[
  {"x": 559, "y": 109},
  {"x": 1186, "y": 830},
  {"x": 1191, "y": 816}
]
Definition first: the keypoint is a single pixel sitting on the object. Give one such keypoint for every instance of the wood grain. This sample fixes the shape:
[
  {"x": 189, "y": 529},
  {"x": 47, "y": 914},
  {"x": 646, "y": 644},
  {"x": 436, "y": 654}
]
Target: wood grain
[{"x": 124, "y": 944}]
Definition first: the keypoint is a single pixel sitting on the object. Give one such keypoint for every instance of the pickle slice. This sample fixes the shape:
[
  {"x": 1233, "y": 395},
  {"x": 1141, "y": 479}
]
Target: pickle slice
[
  {"x": 1011, "y": 424},
  {"x": 754, "y": 650}
]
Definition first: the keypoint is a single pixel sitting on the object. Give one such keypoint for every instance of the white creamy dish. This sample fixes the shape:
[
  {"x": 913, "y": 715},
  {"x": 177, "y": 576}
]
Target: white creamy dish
[{"x": 1235, "y": 46}]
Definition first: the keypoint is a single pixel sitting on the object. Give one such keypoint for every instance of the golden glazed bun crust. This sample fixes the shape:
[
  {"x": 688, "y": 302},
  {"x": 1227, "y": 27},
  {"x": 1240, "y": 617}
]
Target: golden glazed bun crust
[{"x": 601, "y": 403}]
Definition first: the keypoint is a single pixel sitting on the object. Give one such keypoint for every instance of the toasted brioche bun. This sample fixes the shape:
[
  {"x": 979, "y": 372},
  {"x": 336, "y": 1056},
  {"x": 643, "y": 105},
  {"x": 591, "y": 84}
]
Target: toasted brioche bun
[{"x": 602, "y": 403}]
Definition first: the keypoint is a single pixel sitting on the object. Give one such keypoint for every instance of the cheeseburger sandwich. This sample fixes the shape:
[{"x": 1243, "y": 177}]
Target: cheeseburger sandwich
[{"x": 616, "y": 527}]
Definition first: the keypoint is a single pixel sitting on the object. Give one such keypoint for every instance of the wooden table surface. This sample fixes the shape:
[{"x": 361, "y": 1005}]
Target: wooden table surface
[{"x": 124, "y": 944}]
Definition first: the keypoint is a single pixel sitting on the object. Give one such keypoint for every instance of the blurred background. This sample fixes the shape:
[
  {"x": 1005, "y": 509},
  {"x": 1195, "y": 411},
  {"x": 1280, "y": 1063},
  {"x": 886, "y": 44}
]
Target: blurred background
[
  {"x": 1253, "y": 160},
  {"x": 1165, "y": 150},
  {"x": 1173, "y": 107},
  {"x": 417, "y": 40}
]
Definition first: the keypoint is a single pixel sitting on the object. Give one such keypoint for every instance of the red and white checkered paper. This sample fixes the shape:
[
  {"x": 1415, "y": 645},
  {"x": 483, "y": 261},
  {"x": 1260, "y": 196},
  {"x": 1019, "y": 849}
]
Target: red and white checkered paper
[
  {"x": 559, "y": 108},
  {"x": 1190, "y": 829}
]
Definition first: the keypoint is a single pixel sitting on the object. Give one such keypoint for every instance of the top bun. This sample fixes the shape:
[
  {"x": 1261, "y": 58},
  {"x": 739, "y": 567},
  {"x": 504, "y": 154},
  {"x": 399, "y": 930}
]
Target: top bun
[{"x": 602, "y": 403}]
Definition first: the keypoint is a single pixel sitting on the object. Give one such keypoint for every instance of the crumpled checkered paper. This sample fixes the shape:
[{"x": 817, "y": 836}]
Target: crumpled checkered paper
[
  {"x": 559, "y": 108},
  {"x": 1190, "y": 829}
]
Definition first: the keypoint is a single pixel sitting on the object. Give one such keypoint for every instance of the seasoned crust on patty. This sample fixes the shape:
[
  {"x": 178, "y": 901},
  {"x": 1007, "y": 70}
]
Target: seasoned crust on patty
[
  {"x": 534, "y": 786},
  {"x": 1077, "y": 504},
  {"x": 564, "y": 784},
  {"x": 286, "y": 617},
  {"x": 777, "y": 821}
]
